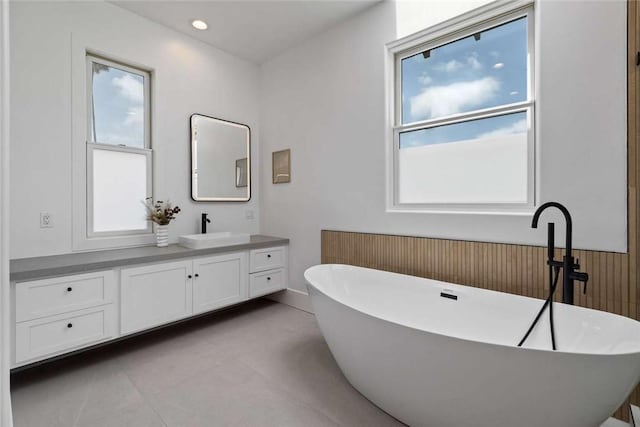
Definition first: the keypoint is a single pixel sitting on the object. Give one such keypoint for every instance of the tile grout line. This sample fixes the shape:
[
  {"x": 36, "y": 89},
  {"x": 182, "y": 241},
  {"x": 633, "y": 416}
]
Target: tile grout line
[
  {"x": 286, "y": 392},
  {"x": 142, "y": 394},
  {"x": 84, "y": 400}
]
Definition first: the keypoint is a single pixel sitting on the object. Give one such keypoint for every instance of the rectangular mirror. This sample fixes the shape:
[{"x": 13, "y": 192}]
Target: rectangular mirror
[{"x": 220, "y": 160}]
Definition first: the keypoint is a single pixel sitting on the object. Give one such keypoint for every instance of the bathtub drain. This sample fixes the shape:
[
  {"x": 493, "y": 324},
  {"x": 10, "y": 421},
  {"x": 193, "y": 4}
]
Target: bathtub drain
[{"x": 448, "y": 295}]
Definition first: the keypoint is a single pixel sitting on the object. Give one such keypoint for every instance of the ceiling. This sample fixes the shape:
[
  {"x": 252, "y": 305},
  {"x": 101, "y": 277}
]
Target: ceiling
[{"x": 252, "y": 29}]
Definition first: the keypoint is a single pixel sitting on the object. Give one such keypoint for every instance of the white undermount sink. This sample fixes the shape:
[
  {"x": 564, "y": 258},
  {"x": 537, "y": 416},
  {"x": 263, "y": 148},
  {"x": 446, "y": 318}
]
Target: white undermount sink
[{"x": 212, "y": 240}]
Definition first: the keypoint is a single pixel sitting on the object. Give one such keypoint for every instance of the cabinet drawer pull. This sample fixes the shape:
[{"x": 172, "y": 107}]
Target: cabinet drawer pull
[
  {"x": 268, "y": 255},
  {"x": 69, "y": 325},
  {"x": 197, "y": 275},
  {"x": 189, "y": 277},
  {"x": 69, "y": 289},
  {"x": 268, "y": 278}
]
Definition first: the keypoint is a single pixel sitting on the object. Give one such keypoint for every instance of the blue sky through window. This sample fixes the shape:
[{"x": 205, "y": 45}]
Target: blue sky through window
[
  {"x": 467, "y": 75},
  {"x": 118, "y": 106}
]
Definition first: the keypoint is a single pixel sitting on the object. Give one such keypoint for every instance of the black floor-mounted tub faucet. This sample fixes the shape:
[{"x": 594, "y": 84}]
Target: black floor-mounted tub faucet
[{"x": 568, "y": 264}]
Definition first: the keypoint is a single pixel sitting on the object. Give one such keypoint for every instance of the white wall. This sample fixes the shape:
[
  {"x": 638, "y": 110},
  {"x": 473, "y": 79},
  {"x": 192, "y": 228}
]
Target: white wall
[
  {"x": 189, "y": 77},
  {"x": 325, "y": 100}
]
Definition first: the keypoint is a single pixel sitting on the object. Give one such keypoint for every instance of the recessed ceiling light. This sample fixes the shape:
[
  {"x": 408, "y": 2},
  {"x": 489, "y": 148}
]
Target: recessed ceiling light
[{"x": 199, "y": 25}]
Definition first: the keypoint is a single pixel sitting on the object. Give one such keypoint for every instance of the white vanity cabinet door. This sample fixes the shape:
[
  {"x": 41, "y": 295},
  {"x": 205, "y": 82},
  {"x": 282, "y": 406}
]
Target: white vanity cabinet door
[
  {"x": 155, "y": 294},
  {"x": 219, "y": 281}
]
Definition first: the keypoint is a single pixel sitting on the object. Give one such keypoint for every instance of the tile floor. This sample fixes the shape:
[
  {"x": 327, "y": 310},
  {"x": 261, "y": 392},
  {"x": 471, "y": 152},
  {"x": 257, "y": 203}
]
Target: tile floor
[{"x": 259, "y": 364}]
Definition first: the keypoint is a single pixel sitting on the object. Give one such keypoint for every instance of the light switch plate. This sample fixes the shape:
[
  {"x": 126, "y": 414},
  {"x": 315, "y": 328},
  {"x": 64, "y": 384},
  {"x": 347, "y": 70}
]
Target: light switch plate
[{"x": 45, "y": 220}]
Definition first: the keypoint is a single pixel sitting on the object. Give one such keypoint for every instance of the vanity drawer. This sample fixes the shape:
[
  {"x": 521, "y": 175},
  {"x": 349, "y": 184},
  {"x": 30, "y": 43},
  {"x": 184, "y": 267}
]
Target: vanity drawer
[
  {"x": 58, "y": 334},
  {"x": 266, "y": 282},
  {"x": 266, "y": 259},
  {"x": 47, "y": 297}
]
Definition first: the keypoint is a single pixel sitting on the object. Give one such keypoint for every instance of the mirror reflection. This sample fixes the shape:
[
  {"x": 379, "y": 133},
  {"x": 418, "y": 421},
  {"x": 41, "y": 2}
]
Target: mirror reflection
[{"x": 220, "y": 160}]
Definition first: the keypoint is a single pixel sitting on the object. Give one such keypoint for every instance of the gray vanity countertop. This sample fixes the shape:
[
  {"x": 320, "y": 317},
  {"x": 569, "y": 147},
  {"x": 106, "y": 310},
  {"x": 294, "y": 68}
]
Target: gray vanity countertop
[{"x": 82, "y": 262}]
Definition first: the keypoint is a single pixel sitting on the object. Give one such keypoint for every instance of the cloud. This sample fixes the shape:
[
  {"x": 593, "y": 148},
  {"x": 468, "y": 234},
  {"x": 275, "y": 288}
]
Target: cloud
[
  {"x": 518, "y": 127},
  {"x": 130, "y": 88},
  {"x": 438, "y": 101},
  {"x": 424, "y": 79},
  {"x": 498, "y": 65},
  {"x": 454, "y": 65},
  {"x": 473, "y": 62},
  {"x": 449, "y": 66},
  {"x": 135, "y": 116}
]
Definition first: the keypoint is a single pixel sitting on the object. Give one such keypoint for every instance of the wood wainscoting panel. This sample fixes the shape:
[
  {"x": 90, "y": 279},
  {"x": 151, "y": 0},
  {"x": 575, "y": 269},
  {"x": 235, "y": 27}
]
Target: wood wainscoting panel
[{"x": 516, "y": 269}]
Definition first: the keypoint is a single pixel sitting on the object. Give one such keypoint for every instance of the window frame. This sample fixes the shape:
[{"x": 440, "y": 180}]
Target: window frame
[
  {"x": 91, "y": 58},
  {"x": 92, "y": 145},
  {"x": 481, "y": 19}
]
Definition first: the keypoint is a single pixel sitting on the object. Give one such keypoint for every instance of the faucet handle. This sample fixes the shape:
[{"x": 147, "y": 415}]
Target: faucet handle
[
  {"x": 576, "y": 265},
  {"x": 551, "y": 244},
  {"x": 581, "y": 277}
]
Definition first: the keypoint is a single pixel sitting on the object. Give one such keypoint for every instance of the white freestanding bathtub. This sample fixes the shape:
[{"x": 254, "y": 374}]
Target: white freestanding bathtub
[{"x": 434, "y": 361}]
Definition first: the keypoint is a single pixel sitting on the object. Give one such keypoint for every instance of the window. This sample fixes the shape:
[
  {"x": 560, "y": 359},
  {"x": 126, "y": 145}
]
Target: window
[
  {"x": 118, "y": 149},
  {"x": 463, "y": 111}
]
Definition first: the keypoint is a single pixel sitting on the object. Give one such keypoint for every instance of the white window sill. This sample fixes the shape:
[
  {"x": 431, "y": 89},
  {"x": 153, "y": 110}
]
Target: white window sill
[
  {"x": 527, "y": 212},
  {"x": 113, "y": 242}
]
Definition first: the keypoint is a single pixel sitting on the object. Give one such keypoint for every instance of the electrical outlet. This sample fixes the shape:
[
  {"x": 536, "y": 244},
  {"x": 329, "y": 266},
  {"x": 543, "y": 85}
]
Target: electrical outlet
[
  {"x": 248, "y": 214},
  {"x": 45, "y": 220}
]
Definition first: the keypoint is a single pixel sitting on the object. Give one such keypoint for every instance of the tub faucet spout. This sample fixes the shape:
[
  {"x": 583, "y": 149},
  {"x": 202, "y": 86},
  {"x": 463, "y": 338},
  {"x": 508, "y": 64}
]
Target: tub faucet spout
[{"x": 568, "y": 264}]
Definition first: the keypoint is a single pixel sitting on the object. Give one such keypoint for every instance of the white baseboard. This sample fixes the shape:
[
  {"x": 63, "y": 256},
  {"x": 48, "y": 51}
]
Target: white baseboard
[{"x": 293, "y": 298}]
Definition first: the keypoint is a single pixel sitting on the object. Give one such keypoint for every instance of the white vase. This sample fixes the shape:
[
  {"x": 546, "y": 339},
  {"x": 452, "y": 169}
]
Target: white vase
[{"x": 162, "y": 235}]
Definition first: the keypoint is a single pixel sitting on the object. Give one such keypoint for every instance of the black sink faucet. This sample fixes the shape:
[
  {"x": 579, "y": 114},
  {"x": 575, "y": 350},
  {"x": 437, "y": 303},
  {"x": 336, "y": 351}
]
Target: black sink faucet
[
  {"x": 205, "y": 220},
  {"x": 569, "y": 267}
]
